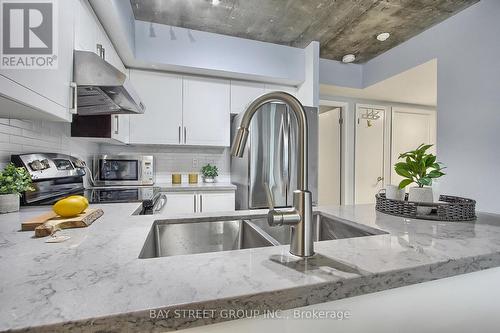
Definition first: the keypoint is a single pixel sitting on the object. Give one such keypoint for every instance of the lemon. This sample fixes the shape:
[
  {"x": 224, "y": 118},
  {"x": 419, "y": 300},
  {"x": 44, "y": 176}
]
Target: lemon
[
  {"x": 84, "y": 200},
  {"x": 69, "y": 207}
]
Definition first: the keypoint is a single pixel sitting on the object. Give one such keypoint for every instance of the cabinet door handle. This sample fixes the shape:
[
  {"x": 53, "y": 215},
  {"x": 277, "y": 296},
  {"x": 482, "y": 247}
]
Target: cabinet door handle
[
  {"x": 179, "y": 134},
  {"x": 117, "y": 125},
  {"x": 103, "y": 55},
  {"x": 194, "y": 210},
  {"x": 99, "y": 50},
  {"x": 201, "y": 203},
  {"x": 185, "y": 134},
  {"x": 74, "y": 90}
]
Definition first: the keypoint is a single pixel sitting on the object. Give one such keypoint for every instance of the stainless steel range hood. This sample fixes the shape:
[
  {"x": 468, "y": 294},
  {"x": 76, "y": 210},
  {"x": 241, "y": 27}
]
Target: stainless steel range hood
[{"x": 101, "y": 88}]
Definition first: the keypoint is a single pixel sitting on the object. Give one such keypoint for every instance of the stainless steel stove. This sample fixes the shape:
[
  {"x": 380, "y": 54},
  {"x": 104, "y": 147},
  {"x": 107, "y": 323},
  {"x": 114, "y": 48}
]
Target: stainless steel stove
[
  {"x": 121, "y": 194},
  {"x": 56, "y": 176}
]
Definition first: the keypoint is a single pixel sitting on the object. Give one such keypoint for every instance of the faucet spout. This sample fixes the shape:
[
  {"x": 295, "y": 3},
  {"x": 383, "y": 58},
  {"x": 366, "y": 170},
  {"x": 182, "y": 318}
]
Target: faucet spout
[{"x": 300, "y": 218}]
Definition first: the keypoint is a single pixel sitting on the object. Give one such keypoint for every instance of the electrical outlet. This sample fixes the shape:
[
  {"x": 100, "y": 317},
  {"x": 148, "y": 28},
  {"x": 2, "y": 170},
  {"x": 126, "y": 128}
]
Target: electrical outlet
[{"x": 195, "y": 163}]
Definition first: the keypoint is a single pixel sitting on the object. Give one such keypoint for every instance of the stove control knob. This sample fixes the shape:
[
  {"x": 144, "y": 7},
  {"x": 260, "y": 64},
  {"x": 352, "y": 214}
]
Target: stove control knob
[
  {"x": 45, "y": 164},
  {"x": 35, "y": 165},
  {"x": 79, "y": 163}
]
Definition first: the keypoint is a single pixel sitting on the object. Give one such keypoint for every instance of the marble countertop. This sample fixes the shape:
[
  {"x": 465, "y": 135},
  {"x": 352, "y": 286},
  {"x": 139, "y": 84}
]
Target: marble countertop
[{"x": 95, "y": 281}]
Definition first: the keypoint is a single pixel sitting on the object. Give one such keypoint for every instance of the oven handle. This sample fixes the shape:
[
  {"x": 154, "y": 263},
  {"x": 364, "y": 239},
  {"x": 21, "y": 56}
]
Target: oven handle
[{"x": 160, "y": 204}]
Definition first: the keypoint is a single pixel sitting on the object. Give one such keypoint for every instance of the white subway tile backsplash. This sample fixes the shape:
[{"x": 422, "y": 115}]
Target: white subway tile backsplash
[
  {"x": 27, "y": 136},
  {"x": 173, "y": 159}
]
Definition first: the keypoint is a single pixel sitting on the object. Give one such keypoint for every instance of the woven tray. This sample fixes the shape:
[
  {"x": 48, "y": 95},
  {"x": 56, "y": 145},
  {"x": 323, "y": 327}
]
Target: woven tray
[{"x": 450, "y": 208}]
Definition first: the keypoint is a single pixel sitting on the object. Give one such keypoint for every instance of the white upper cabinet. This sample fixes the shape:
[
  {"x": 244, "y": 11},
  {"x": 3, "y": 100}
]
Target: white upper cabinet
[
  {"x": 89, "y": 33},
  {"x": 109, "y": 53},
  {"x": 243, "y": 93},
  {"x": 289, "y": 89},
  {"x": 120, "y": 127},
  {"x": 85, "y": 27},
  {"x": 47, "y": 91},
  {"x": 162, "y": 121},
  {"x": 206, "y": 111}
]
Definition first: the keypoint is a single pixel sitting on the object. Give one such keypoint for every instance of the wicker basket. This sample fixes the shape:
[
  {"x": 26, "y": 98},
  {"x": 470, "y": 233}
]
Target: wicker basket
[{"x": 450, "y": 208}]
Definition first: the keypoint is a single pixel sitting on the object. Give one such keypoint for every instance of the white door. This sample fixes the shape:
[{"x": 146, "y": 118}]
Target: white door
[
  {"x": 243, "y": 93},
  {"x": 206, "y": 111},
  {"x": 329, "y": 157},
  {"x": 53, "y": 84},
  {"x": 161, "y": 123},
  {"x": 369, "y": 153},
  {"x": 216, "y": 202},
  {"x": 180, "y": 203},
  {"x": 410, "y": 128}
]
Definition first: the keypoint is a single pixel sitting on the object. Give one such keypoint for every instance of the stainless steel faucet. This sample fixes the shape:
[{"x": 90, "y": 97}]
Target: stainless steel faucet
[{"x": 300, "y": 216}]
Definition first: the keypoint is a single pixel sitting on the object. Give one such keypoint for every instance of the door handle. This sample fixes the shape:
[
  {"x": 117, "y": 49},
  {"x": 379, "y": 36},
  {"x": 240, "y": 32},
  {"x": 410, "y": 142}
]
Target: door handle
[
  {"x": 201, "y": 203},
  {"x": 74, "y": 90},
  {"x": 179, "y": 134},
  {"x": 194, "y": 210},
  {"x": 99, "y": 50},
  {"x": 185, "y": 134},
  {"x": 117, "y": 125}
]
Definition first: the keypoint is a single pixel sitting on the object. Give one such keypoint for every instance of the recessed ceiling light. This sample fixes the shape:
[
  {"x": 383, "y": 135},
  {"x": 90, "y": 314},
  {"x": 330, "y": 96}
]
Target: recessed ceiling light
[
  {"x": 215, "y": 2},
  {"x": 348, "y": 58},
  {"x": 383, "y": 36}
]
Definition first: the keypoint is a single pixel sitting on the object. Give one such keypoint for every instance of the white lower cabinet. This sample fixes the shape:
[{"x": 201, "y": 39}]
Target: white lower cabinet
[
  {"x": 179, "y": 203},
  {"x": 198, "y": 202},
  {"x": 216, "y": 202}
]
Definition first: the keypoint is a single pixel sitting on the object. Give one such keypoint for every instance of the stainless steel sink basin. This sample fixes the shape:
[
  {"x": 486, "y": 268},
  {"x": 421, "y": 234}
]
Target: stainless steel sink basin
[
  {"x": 168, "y": 238},
  {"x": 324, "y": 228}
]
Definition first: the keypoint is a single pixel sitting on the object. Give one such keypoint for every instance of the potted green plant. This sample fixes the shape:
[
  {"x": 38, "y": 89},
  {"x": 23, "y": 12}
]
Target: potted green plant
[
  {"x": 13, "y": 182},
  {"x": 421, "y": 168},
  {"x": 209, "y": 173}
]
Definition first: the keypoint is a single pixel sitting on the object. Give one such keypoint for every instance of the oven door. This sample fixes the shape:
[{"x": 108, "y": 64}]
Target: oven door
[{"x": 117, "y": 170}]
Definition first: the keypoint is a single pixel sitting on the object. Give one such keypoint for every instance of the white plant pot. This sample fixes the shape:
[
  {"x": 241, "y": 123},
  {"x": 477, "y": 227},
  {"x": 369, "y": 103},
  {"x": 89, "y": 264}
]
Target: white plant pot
[
  {"x": 208, "y": 180},
  {"x": 421, "y": 194},
  {"x": 393, "y": 192},
  {"x": 9, "y": 203}
]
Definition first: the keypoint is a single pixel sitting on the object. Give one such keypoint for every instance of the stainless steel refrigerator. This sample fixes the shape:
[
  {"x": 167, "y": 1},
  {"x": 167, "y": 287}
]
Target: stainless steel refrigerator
[{"x": 271, "y": 157}]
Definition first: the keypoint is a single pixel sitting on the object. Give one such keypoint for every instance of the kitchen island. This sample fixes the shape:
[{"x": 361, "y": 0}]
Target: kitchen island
[{"x": 96, "y": 282}]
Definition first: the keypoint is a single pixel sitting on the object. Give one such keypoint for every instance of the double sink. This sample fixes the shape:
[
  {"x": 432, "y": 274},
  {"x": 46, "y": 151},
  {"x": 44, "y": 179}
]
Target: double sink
[{"x": 168, "y": 238}]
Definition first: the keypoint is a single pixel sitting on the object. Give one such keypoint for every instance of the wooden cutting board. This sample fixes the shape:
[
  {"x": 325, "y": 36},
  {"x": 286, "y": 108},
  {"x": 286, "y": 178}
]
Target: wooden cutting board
[{"x": 46, "y": 223}]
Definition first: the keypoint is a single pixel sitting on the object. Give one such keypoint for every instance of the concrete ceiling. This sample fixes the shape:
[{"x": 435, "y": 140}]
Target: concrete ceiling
[
  {"x": 341, "y": 26},
  {"x": 417, "y": 85}
]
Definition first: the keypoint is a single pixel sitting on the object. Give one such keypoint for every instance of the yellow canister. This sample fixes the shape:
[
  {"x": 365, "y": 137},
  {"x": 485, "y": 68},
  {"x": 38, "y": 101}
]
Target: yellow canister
[
  {"x": 193, "y": 178},
  {"x": 176, "y": 178}
]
